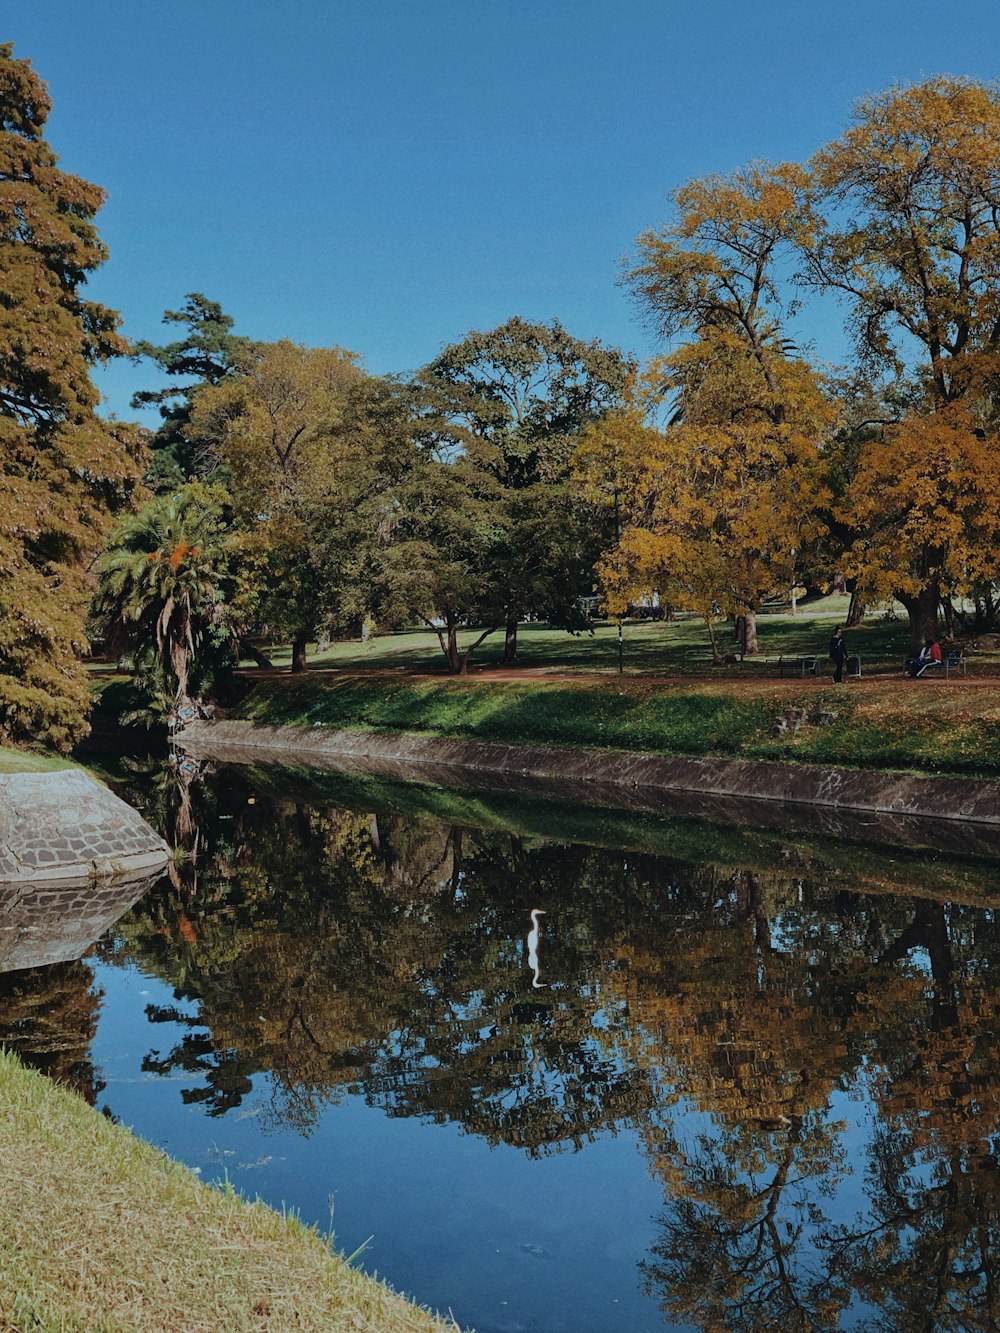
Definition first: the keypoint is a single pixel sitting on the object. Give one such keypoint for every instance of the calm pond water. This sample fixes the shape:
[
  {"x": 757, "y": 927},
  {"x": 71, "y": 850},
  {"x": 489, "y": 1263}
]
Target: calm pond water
[{"x": 734, "y": 1078}]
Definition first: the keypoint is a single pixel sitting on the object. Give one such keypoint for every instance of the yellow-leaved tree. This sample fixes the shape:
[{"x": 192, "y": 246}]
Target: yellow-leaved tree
[
  {"x": 925, "y": 503},
  {"x": 912, "y": 241},
  {"x": 716, "y": 506}
]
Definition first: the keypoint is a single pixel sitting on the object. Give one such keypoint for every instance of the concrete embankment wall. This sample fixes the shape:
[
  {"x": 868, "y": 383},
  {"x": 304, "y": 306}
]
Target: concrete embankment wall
[
  {"x": 899, "y": 794},
  {"x": 65, "y": 828}
]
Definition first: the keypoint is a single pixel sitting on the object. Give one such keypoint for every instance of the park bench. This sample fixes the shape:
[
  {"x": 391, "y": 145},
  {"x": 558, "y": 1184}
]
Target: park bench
[
  {"x": 809, "y": 665},
  {"x": 798, "y": 666},
  {"x": 955, "y": 660}
]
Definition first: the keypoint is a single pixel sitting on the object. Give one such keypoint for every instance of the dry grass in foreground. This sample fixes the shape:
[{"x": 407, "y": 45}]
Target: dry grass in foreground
[{"x": 99, "y": 1231}]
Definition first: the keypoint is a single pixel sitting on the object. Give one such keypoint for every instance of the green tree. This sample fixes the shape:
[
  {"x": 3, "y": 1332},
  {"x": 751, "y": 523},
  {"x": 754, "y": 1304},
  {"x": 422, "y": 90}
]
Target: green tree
[
  {"x": 207, "y": 354},
  {"x": 513, "y": 402},
  {"x": 64, "y": 471},
  {"x": 438, "y": 563},
  {"x": 311, "y": 445},
  {"x": 163, "y": 585}
]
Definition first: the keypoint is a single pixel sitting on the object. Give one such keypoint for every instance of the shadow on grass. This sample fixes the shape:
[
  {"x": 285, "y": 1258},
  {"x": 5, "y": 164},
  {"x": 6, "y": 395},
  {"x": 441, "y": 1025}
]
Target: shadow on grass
[
  {"x": 696, "y": 719},
  {"x": 679, "y": 647}
]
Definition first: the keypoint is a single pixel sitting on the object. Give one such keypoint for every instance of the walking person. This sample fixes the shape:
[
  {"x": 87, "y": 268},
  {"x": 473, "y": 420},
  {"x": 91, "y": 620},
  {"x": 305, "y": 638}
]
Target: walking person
[{"x": 838, "y": 655}]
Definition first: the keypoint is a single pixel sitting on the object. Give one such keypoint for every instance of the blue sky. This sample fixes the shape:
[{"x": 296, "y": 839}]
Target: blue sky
[{"x": 388, "y": 174}]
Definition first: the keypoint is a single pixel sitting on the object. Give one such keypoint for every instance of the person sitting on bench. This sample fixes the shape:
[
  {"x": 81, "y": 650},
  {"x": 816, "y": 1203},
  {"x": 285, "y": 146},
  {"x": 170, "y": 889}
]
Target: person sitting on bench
[{"x": 930, "y": 656}]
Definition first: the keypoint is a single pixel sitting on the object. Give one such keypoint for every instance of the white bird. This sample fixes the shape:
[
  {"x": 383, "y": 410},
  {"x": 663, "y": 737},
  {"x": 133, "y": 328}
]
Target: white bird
[{"x": 533, "y": 935}]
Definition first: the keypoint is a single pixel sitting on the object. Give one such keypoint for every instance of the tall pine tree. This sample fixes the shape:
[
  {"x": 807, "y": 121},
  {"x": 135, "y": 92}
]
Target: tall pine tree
[
  {"x": 208, "y": 354},
  {"x": 64, "y": 470}
]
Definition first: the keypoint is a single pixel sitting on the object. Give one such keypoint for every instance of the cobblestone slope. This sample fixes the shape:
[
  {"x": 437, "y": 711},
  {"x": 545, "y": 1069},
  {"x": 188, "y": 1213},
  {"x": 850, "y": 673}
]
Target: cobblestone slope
[{"x": 66, "y": 828}]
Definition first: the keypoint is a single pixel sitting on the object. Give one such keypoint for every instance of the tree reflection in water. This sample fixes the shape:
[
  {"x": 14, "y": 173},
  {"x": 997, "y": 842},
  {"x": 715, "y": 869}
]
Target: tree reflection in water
[
  {"x": 901, "y": 1003},
  {"x": 48, "y": 1016},
  {"x": 735, "y": 1012}
]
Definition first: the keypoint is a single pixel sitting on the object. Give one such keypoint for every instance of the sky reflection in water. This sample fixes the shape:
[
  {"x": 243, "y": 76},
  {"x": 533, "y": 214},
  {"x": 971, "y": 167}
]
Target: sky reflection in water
[{"x": 756, "y": 1087}]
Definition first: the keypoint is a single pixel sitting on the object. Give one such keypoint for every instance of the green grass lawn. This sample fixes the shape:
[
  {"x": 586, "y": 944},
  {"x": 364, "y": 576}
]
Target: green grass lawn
[
  {"x": 651, "y": 648},
  {"x": 25, "y": 761}
]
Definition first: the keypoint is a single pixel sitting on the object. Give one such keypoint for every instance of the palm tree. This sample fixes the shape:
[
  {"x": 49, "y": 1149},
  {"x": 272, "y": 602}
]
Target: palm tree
[{"x": 162, "y": 582}]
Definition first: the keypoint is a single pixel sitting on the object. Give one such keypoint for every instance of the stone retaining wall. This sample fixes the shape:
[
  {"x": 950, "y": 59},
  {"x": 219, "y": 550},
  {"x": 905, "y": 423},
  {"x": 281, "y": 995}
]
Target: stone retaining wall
[
  {"x": 958, "y": 799},
  {"x": 65, "y": 828}
]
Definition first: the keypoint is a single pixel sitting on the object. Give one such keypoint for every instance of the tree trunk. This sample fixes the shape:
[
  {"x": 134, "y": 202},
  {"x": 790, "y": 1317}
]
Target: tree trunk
[
  {"x": 985, "y": 615},
  {"x": 178, "y": 646},
  {"x": 458, "y": 663},
  {"x": 299, "y": 652},
  {"x": 839, "y": 585},
  {"x": 746, "y": 630},
  {"x": 923, "y": 613},
  {"x": 447, "y": 637},
  {"x": 510, "y": 642},
  {"x": 711, "y": 635},
  {"x": 255, "y": 655},
  {"x": 467, "y": 655},
  {"x": 856, "y": 611},
  {"x": 180, "y": 663},
  {"x": 455, "y": 663}
]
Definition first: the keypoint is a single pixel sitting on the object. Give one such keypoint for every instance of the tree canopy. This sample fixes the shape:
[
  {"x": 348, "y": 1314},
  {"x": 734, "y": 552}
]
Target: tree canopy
[
  {"x": 64, "y": 470},
  {"x": 513, "y": 402},
  {"x": 206, "y": 355},
  {"x": 719, "y": 503}
]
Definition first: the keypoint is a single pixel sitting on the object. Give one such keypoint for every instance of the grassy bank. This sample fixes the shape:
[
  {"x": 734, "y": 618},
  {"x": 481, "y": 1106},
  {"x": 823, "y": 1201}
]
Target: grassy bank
[
  {"x": 25, "y": 761},
  {"x": 928, "y": 727},
  {"x": 102, "y": 1232}
]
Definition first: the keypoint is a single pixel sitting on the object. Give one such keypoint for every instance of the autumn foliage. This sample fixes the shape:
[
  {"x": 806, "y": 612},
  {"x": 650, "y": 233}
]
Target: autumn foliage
[
  {"x": 717, "y": 505},
  {"x": 729, "y": 500},
  {"x": 63, "y": 469}
]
